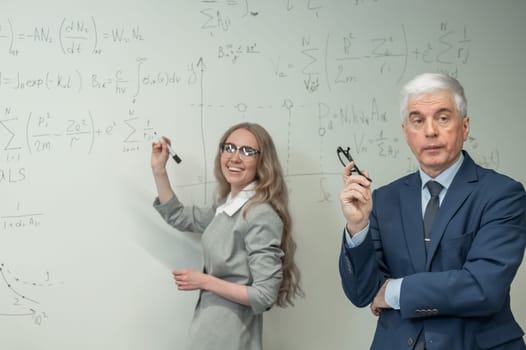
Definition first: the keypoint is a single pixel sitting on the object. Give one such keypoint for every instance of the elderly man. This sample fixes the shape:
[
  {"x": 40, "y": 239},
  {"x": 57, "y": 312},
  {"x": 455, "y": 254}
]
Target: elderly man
[{"x": 434, "y": 253}]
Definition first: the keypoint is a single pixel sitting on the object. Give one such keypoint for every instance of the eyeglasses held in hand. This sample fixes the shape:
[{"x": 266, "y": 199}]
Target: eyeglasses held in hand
[
  {"x": 245, "y": 152},
  {"x": 348, "y": 158}
]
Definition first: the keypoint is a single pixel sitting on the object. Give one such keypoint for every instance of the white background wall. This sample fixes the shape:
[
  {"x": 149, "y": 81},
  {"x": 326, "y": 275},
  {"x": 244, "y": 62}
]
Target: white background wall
[{"x": 85, "y": 260}]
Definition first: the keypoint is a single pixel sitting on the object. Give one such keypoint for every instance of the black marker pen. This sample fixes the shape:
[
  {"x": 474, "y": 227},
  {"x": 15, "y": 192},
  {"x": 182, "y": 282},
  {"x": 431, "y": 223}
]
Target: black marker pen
[{"x": 170, "y": 149}]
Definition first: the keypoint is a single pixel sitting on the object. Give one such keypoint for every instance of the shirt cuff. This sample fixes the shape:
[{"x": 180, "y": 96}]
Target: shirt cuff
[
  {"x": 357, "y": 239},
  {"x": 392, "y": 293}
]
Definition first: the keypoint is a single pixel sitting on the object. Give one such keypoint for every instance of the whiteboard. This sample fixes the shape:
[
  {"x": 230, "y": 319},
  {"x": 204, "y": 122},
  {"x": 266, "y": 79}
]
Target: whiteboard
[{"x": 85, "y": 261}]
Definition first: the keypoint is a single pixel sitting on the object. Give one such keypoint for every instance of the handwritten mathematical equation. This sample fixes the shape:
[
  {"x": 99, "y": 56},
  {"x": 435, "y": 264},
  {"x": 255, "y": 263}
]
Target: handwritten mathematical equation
[
  {"x": 223, "y": 15},
  {"x": 333, "y": 119},
  {"x": 334, "y": 60},
  {"x": 233, "y": 52},
  {"x": 119, "y": 82},
  {"x": 39, "y": 132},
  {"x": 20, "y": 221},
  {"x": 73, "y": 36},
  {"x": 340, "y": 59}
]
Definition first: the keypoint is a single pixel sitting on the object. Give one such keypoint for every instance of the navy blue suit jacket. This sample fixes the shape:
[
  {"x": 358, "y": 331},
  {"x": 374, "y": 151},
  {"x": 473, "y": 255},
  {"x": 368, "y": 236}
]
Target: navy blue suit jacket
[{"x": 460, "y": 292}]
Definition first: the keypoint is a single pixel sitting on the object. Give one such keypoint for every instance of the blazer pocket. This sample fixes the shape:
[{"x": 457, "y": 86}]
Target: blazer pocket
[{"x": 500, "y": 334}]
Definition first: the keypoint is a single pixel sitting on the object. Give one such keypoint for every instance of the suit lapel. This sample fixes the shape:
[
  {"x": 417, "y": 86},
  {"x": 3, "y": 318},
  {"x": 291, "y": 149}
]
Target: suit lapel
[
  {"x": 456, "y": 195},
  {"x": 412, "y": 223}
]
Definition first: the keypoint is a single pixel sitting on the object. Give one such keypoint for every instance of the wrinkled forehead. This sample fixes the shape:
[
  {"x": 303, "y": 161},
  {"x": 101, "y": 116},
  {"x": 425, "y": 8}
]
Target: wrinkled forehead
[
  {"x": 445, "y": 95},
  {"x": 442, "y": 98}
]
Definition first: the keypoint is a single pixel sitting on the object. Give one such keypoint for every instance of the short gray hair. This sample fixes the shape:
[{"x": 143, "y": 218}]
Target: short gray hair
[{"x": 428, "y": 83}]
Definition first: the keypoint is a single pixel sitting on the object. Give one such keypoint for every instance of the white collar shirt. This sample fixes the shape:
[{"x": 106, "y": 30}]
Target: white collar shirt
[
  {"x": 233, "y": 204},
  {"x": 445, "y": 179}
]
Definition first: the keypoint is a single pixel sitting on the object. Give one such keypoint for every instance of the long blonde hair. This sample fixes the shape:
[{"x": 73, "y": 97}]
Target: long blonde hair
[{"x": 271, "y": 188}]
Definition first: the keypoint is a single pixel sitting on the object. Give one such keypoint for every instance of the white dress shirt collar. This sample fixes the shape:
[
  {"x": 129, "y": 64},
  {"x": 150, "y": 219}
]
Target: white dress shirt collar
[
  {"x": 233, "y": 204},
  {"x": 446, "y": 177}
]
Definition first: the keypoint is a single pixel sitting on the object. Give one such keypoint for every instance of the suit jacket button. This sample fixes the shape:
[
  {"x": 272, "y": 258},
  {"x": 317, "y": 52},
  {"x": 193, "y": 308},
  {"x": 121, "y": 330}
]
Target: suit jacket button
[{"x": 410, "y": 341}]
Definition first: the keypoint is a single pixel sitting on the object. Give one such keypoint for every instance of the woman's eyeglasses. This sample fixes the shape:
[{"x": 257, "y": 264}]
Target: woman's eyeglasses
[{"x": 245, "y": 152}]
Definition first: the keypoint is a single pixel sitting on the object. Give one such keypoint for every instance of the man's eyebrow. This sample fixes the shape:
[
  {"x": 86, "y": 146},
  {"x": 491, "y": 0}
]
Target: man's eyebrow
[
  {"x": 441, "y": 110},
  {"x": 445, "y": 109},
  {"x": 414, "y": 113}
]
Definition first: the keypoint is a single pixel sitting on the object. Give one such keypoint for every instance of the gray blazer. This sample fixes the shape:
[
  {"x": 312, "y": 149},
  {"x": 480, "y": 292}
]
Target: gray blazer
[{"x": 243, "y": 250}]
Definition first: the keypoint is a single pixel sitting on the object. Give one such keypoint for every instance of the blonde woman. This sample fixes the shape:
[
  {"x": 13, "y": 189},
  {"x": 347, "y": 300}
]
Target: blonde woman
[{"x": 246, "y": 238}]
